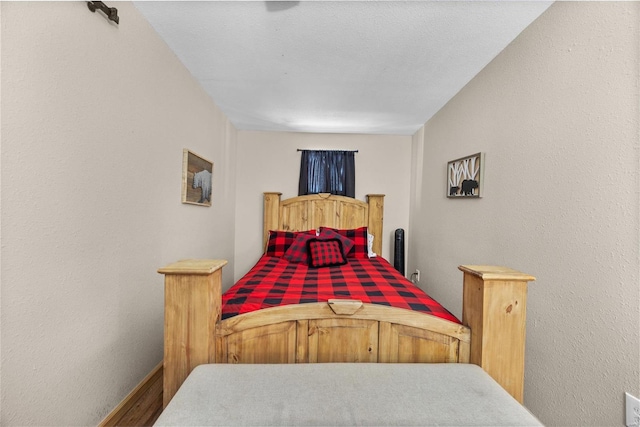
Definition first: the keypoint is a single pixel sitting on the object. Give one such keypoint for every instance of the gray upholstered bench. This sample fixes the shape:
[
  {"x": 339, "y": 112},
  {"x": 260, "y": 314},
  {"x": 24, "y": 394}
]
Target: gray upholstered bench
[{"x": 343, "y": 394}]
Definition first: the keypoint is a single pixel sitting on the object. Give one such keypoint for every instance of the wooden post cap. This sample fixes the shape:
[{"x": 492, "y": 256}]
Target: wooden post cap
[
  {"x": 492, "y": 272},
  {"x": 194, "y": 266}
]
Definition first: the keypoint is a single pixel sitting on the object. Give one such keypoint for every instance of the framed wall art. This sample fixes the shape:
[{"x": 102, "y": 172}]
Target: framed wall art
[
  {"x": 197, "y": 179},
  {"x": 465, "y": 177}
]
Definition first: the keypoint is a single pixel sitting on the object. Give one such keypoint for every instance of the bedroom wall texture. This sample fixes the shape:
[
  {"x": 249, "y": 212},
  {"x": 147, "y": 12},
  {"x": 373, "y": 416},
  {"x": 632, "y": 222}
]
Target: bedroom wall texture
[
  {"x": 269, "y": 161},
  {"x": 557, "y": 114},
  {"x": 94, "y": 120}
]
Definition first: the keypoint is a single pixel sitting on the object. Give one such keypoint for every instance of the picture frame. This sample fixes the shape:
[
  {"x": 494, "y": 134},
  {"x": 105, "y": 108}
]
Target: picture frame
[
  {"x": 197, "y": 179},
  {"x": 465, "y": 177}
]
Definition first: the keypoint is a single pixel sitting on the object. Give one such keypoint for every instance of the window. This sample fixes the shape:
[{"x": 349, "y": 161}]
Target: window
[{"x": 323, "y": 171}]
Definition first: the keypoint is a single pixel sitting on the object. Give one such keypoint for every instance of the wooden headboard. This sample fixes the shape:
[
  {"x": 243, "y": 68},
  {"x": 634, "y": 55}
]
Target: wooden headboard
[{"x": 324, "y": 210}]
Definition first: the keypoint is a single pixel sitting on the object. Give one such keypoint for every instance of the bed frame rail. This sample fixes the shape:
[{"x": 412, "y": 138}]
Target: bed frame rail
[{"x": 340, "y": 331}]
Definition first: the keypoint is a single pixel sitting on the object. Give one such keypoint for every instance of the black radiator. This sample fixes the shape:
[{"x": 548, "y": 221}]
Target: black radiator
[{"x": 398, "y": 256}]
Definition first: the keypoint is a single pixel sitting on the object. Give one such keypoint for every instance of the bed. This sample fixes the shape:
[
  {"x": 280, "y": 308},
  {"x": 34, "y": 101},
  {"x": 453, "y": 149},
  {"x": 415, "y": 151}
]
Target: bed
[{"x": 491, "y": 333}]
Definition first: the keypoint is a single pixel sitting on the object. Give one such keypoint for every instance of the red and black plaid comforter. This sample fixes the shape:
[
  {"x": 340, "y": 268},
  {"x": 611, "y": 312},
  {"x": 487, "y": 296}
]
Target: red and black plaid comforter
[{"x": 274, "y": 281}]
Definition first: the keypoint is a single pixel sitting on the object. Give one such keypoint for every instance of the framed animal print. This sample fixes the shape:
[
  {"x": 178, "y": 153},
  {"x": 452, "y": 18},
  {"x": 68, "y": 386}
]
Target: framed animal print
[
  {"x": 465, "y": 177},
  {"x": 197, "y": 179}
]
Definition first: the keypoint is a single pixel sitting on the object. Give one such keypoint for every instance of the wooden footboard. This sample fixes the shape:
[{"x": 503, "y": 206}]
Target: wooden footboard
[
  {"x": 493, "y": 334},
  {"x": 340, "y": 331}
]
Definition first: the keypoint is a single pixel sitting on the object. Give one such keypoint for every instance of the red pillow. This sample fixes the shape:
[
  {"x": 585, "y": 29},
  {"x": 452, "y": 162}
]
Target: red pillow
[
  {"x": 359, "y": 238},
  {"x": 325, "y": 253},
  {"x": 297, "y": 252},
  {"x": 279, "y": 241},
  {"x": 327, "y": 233}
]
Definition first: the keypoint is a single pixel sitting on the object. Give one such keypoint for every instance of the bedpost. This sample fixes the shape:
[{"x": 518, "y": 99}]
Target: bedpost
[
  {"x": 376, "y": 214},
  {"x": 192, "y": 300},
  {"x": 494, "y": 306},
  {"x": 271, "y": 215}
]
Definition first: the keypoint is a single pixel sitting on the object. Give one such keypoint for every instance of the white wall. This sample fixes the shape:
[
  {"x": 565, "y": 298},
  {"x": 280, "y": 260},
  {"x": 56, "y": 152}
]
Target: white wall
[
  {"x": 94, "y": 120},
  {"x": 269, "y": 161},
  {"x": 557, "y": 115}
]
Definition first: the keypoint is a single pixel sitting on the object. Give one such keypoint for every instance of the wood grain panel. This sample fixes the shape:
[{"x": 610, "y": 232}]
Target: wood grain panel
[
  {"x": 415, "y": 345},
  {"x": 351, "y": 215},
  {"x": 386, "y": 343},
  {"x": 323, "y": 213},
  {"x": 268, "y": 344},
  {"x": 271, "y": 215},
  {"x": 302, "y": 341},
  {"x": 343, "y": 340},
  {"x": 294, "y": 216}
]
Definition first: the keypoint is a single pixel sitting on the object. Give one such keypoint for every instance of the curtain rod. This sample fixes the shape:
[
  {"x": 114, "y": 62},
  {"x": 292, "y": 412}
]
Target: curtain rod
[
  {"x": 110, "y": 12},
  {"x": 304, "y": 149}
]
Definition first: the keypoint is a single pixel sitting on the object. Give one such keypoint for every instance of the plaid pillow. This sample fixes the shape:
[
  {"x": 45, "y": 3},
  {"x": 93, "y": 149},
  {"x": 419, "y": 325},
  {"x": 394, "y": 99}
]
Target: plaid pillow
[
  {"x": 297, "y": 252},
  {"x": 359, "y": 238},
  {"x": 279, "y": 241},
  {"x": 327, "y": 233},
  {"x": 325, "y": 253}
]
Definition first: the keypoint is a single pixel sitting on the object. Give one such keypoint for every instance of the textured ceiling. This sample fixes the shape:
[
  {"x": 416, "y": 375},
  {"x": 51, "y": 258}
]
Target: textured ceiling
[{"x": 336, "y": 66}]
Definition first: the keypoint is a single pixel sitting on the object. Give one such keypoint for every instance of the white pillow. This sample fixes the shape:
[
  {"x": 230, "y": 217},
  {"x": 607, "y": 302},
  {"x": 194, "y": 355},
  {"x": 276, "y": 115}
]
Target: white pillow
[{"x": 370, "y": 246}]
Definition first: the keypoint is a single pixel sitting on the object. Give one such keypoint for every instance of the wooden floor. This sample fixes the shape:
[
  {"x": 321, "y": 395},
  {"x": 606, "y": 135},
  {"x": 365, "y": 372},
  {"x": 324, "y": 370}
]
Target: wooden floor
[{"x": 142, "y": 406}]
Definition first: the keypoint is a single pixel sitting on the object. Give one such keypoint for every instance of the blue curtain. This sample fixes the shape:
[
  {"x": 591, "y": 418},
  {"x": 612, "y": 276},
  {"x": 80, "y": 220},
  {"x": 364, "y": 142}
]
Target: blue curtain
[{"x": 327, "y": 172}]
